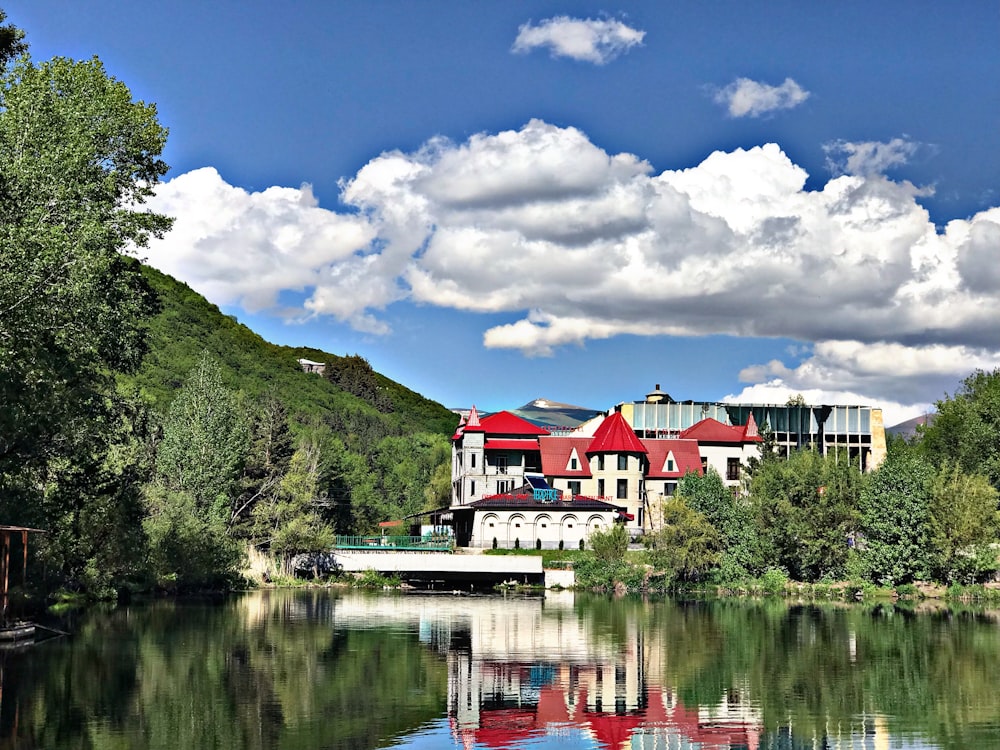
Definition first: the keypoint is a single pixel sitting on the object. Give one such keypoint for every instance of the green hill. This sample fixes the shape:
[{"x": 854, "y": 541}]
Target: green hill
[{"x": 187, "y": 325}]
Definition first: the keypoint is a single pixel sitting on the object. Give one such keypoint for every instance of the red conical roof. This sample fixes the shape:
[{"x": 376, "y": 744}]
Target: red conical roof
[{"x": 615, "y": 436}]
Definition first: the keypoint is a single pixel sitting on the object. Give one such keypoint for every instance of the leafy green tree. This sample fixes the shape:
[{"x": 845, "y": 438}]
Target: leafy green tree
[
  {"x": 966, "y": 430},
  {"x": 609, "y": 546},
  {"x": 355, "y": 375},
  {"x": 205, "y": 443},
  {"x": 11, "y": 41},
  {"x": 894, "y": 517},
  {"x": 687, "y": 546},
  {"x": 731, "y": 517},
  {"x": 77, "y": 159},
  {"x": 805, "y": 508},
  {"x": 269, "y": 454},
  {"x": 962, "y": 526}
]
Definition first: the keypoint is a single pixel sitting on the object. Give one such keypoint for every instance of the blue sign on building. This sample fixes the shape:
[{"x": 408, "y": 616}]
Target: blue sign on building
[{"x": 547, "y": 495}]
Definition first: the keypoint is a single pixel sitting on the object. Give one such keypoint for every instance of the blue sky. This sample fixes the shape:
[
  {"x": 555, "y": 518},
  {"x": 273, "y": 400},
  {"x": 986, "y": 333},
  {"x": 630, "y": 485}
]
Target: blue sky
[{"x": 500, "y": 201}]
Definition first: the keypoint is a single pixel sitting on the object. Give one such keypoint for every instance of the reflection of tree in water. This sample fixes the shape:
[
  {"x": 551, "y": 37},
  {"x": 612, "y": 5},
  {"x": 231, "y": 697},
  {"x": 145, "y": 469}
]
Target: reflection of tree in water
[{"x": 311, "y": 669}]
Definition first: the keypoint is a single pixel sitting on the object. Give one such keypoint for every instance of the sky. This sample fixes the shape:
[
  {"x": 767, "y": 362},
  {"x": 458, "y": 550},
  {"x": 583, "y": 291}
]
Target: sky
[{"x": 495, "y": 202}]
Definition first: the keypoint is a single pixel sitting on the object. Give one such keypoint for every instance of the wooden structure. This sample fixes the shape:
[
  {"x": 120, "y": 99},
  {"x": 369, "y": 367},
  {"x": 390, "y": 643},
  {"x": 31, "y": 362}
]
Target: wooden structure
[{"x": 7, "y": 536}]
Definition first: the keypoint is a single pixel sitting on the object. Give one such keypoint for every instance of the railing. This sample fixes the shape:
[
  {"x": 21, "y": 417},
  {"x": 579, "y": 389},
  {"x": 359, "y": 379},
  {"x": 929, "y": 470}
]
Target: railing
[{"x": 396, "y": 543}]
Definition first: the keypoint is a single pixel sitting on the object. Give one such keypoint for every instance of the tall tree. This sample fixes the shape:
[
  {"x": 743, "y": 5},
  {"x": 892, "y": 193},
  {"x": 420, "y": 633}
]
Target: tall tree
[
  {"x": 962, "y": 526},
  {"x": 966, "y": 430},
  {"x": 205, "y": 443},
  {"x": 77, "y": 158},
  {"x": 894, "y": 517}
]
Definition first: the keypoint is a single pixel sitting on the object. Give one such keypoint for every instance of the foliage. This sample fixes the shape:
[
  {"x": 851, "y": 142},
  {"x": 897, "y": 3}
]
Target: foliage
[
  {"x": 687, "y": 545},
  {"x": 205, "y": 443},
  {"x": 609, "y": 546},
  {"x": 805, "y": 507},
  {"x": 962, "y": 526},
  {"x": 188, "y": 550},
  {"x": 966, "y": 430},
  {"x": 732, "y": 519},
  {"x": 894, "y": 515},
  {"x": 77, "y": 158},
  {"x": 355, "y": 375}
]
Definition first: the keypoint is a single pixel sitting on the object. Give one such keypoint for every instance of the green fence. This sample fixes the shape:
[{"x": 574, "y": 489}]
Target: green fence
[{"x": 396, "y": 543}]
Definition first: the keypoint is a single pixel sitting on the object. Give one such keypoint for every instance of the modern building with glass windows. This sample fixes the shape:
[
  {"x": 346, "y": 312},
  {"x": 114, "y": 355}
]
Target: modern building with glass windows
[{"x": 858, "y": 430}]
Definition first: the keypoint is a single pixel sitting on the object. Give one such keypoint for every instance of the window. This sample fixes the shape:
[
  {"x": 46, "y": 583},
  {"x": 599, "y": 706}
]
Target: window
[
  {"x": 732, "y": 469},
  {"x": 704, "y": 464},
  {"x": 472, "y": 460},
  {"x": 622, "y": 489},
  {"x": 600, "y": 488},
  {"x": 574, "y": 488},
  {"x": 573, "y": 464},
  {"x": 622, "y": 462},
  {"x": 504, "y": 487},
  {"x": 670, "y": 465},
  {"x": 600, "y": 462},
  {"x": 639, "y": 516},
  {"x": 669, "y": 488},
  {"x": 472, "y": 488},
  {"x": 502, "y": 463}
]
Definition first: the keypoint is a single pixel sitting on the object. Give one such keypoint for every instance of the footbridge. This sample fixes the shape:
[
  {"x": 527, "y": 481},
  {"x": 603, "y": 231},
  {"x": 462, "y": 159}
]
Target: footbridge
[{"x": 443, "y": 568}]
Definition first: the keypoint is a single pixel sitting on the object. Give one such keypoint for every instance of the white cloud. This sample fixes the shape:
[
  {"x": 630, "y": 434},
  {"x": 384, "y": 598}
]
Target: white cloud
[
  {"x": 589, "y": 40},
  {"x": 572, "y": 244},
  {"x": 868, "y": 157},
  {"x": 748, "y": 98}
]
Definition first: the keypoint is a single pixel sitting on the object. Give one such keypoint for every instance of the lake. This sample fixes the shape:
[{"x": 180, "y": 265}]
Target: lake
[{"x": 331, "y": 669}]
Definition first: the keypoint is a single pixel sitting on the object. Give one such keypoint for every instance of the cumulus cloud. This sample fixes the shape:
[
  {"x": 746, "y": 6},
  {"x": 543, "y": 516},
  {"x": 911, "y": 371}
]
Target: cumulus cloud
[
  {"x": 570, "y": 244},
  {"x": 868, "y": 157},
  {"x": 587, "y": 39},
  {"x": 745, "y": 97}
]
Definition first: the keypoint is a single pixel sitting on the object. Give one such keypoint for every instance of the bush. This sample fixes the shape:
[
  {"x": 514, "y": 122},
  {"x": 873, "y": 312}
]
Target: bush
[{"x": 774, "y": 581}]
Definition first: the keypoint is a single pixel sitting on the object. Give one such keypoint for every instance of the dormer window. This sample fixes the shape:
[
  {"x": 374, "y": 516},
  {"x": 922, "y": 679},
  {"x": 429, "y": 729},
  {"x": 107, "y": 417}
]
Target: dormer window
[{"x": 573, "y": 464}]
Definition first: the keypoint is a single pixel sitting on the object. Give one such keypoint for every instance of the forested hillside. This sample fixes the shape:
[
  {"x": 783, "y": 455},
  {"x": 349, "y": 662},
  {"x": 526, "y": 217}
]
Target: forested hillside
[{"x": 186, "y": 326}]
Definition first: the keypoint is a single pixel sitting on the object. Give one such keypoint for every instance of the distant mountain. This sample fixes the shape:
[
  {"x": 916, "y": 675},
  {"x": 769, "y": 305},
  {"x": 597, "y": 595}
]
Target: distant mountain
[
  {"x": 909, "y": 427},
  {"x": 546, "y": 413}
]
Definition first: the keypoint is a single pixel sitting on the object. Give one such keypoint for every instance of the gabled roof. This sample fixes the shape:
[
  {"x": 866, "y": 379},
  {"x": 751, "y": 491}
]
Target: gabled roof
[
  {"x": 713, "y": 431},
  {"x": 505, "y": 423},
  {"x": 684, "y": 452},
  {"x": 473, "y": 423},
  {"x": 615, "y": 436},
  {"x": 556, "y": 453}
]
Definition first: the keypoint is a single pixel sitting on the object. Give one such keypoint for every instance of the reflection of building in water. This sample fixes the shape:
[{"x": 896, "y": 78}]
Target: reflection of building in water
[{"x": 529, "y": 672}]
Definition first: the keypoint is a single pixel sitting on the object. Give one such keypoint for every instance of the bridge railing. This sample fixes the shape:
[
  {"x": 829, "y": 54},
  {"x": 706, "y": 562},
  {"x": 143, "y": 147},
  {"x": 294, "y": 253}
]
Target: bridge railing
[{"x": 377, "y": 543}]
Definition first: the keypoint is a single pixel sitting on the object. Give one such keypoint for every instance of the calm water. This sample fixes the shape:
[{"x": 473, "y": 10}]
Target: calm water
[{"x": 318, "y": 669}]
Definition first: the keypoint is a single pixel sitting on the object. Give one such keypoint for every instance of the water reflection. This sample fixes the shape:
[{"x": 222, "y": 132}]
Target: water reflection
[{"x": 315, "y": 669}]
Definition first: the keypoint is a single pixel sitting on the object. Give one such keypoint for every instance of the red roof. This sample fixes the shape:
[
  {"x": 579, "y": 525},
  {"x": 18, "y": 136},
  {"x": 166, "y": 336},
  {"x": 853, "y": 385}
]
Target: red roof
[
  {"x": 505, "y": 423},
  {"x": 473, "y": 424},
  {"x": 713, "y": 431},
  {"x": 615, "y": 436},
  {"x": 684, "y": 452},
  {"x": 556, "y": 455},
  {"x": 512, "y": 444}
]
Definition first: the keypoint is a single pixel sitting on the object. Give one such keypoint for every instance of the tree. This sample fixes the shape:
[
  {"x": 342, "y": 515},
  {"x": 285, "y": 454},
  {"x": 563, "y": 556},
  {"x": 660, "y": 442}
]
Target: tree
[
  {"x": 609, "y": 546},
  {"x": 687, "y": 546},
  {"x": 962, "y": 525},
  {"x": 731, "y": 517},
  {"x": 11, "y": 41},
  {"x": 894, "y": 516},
  {"x": 966, "y": 430},
  {"x": 805, "y": 510},
  {"x": 77, "y": 158},
  {"x": 205, "y": 442}
]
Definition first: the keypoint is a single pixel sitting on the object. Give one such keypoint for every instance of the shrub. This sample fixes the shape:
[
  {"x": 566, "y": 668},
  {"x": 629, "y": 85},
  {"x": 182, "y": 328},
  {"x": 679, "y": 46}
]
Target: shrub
[{"x": 774, "y": 581}]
